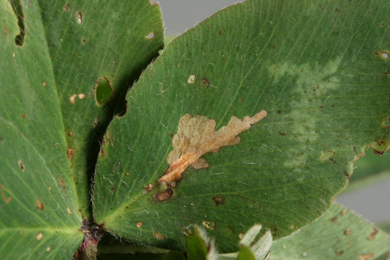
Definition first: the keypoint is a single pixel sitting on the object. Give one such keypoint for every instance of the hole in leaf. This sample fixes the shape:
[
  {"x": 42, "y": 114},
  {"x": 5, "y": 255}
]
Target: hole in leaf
[
  {"x": 103, "y": 91},
  {"x": 79, "y": 17},
  {"x": 18, "y": 9},
  {"x": 150, "y": 36},
  {"x": 327, "y": 155}
]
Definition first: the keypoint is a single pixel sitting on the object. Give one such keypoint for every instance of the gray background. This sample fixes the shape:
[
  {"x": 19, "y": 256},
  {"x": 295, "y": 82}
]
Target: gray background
[{"x": 372, "y": 202}]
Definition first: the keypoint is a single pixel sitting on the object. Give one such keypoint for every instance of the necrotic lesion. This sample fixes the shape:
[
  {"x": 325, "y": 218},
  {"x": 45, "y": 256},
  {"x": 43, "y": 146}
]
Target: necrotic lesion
[{"x": 196, "y": 136}]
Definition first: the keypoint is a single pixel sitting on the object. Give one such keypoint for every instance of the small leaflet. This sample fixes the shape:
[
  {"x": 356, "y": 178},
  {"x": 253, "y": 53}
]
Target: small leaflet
[{"x": 196, "y": 136}]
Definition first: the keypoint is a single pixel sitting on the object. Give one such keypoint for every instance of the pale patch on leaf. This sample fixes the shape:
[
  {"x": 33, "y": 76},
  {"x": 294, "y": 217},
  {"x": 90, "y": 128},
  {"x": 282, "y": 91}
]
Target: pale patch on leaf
[{"x": 196, "y": 136}]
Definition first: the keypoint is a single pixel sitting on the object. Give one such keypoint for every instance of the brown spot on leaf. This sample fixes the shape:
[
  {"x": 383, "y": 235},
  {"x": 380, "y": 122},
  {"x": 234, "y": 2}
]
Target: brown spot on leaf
[
  {"x": 21, "y": 165},
  {"x": 208, "y": 224},
  {"x": 139, "y": 224},
  {"x": 366, "y": 256},
  {"x": 44, "y": 84},
  {"x": 40, "y": 205},
  {"x": 240, "y": 235},
  {"x": 196, "y": 136},
  {"x": 95, "y": 122},
  {"x": 347, "y": 232},
  {"x": 70, "y": 134},
  {"x": 39, "y": 236},
  {"x": 48, "y": 249},
  {"x": 219, "y": 200},
  {"x": 61, "y": 182},
  {"x": 24, "y": 116},
  {"x": 334, "y": 219},
  {"x": 158, "y": 236},
  {"x": 205, "y": 82},
  {"x": 382, "y": 54},
  {"x": 5, "y": 198},
  {"x": 339, "y": 252},
  {"x": 66, "y": 7},
  {"x": 69, "y": 211},
  {"x": 70, "y": 154},
  {"x": 72, "y": 99},
  {"x": 373, "y": 234},
  {"x": 282, "y": 133},
  {"x": 164, "y": 195},
  {"x": 81, "y": 96},
  {"x": 149, "y": 187}
]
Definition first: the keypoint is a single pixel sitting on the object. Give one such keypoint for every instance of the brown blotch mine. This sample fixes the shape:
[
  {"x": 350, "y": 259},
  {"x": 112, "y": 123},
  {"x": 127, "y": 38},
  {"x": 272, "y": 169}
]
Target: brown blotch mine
[
  {"x": 21, "y": 165},
  {"x": 196, "y": 136},
  {"x": 48, "y": 249},
  {"x": 40, "y": 205},
  {"x": 164, "y": 195},
  {"x": 158, "y": 236},
  {"x": 219, "y": 200},
  {"x": 5, "y": 198},
  {"x": 69, "y": 211},
  {"x": 373, "y": 234}
]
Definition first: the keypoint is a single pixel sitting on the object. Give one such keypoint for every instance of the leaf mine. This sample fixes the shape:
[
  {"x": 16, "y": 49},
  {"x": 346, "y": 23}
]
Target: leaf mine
[{"x": 196, "y": 136}]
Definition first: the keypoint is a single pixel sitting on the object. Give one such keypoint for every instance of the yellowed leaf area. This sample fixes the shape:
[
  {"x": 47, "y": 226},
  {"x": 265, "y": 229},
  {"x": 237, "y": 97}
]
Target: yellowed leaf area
[{"x": 196, "y": 136}]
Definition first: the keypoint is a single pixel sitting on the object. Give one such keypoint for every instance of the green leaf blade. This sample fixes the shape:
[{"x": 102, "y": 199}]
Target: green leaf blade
[
  {"x": 39, "y": 205},
  {"x": 95, "y": 42},
  {"x": 312, "y": 66},
  {"x": 340, "y": 233}
]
